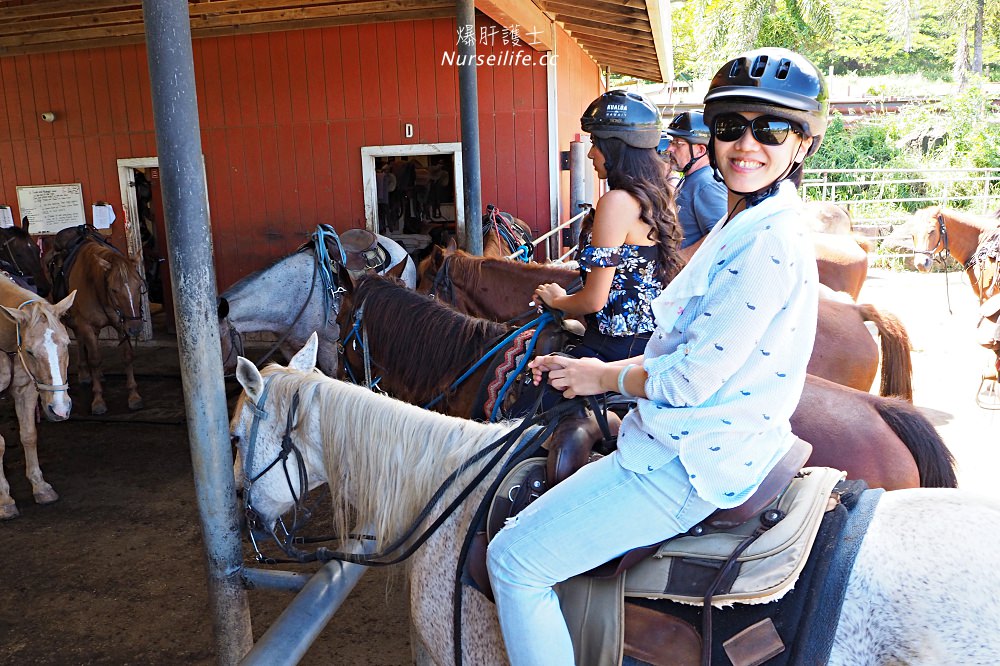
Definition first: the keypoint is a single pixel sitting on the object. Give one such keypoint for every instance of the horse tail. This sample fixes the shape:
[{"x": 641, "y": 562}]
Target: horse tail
[
  {"x": 897, "y": 368},
  {"x": 935, "y": 463}
]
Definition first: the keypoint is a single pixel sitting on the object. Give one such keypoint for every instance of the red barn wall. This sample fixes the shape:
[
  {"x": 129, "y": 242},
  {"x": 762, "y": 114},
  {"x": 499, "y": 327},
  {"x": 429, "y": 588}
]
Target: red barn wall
[{"x": 283, "y": 117}]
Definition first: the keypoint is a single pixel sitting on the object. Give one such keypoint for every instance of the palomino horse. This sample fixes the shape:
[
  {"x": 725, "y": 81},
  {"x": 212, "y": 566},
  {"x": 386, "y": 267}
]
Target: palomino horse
[
  {"x": 973, "y": 241},
  {"x": 34, "y": 367},
  {"x": 423, "y": 351},
  {"x": 924, "y": 587},
  {"x": 844, "y": 351},
  {"x": 298, "y": 294},
  {"x": 20, "y": 256},
  {"x": 888, "y": 443},
  {"x": 110, "y": 289},
  {"x": 504, "y": 235}
]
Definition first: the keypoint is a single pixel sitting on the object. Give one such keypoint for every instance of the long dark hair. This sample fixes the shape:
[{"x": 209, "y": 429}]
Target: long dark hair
[{"x": 643, "y": 174}]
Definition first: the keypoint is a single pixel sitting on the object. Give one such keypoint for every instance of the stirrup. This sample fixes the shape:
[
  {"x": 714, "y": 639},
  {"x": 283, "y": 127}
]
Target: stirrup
[{"x": 988, "y": 393}]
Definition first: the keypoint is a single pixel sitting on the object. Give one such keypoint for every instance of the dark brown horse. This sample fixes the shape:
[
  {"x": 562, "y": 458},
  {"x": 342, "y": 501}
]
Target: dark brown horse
[
  {"x": 885, "y": 441},
  {"x": 21, "y": 258},
  {"x": 844, "y": 351},
  {"x": 418, "y": 348},
  {"x": 110, "y": 288},
  {"x": 973, "y": 241}
]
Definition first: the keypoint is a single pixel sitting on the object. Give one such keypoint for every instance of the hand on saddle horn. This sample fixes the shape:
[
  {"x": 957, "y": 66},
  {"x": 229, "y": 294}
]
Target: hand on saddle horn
[{"x": 571, "y": 376}]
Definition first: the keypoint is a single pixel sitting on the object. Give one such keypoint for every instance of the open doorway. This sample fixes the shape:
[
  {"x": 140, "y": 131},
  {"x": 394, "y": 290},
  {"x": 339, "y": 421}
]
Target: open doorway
[
  {"x": 145, "y": 233},
  {"x": 413, "y": 192}
]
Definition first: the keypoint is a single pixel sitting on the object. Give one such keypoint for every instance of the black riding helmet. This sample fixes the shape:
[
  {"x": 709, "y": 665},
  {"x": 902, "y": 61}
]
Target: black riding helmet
[
  {"x": 774, "y": 81},
  {"x": 618, "y": 114},
  {"x": 690, "y": 126},
  {"x": 771, "y": 81}
]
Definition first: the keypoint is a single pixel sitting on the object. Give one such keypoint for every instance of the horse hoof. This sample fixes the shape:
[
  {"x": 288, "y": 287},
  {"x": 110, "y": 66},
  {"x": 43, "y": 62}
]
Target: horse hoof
[
  {"x": 135, "y": 404},
  {"x": 8, "y": 511},
  {"x": 46, "y": 496},
  {"x": 98, "y": 410}
]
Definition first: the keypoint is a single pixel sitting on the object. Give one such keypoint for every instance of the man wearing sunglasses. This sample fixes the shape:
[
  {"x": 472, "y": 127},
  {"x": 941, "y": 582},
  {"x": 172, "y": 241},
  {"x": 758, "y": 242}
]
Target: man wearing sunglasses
[{"x": 701, "y": 199}]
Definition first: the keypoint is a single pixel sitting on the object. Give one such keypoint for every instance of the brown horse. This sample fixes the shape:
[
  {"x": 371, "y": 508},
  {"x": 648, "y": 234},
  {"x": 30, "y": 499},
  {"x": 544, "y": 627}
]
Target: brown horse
[
  {"x": 844, "y": 351},
  {"x": 504, "y": 234},
  {"x": 841, "y": 255},
  {"x": 972, "y": 240},
  {"x": 34, "y": 368},
  {"x": 21, "y": 258},
  {"x": 885, "y": 441},
  {"x": 110, "y": 289},
  {"x": 418, "y": 348}
]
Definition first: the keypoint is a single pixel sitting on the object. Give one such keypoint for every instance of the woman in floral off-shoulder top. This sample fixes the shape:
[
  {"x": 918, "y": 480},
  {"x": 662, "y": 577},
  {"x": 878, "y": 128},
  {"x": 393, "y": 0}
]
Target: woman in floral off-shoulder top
[{"x": 629, "y": 243}]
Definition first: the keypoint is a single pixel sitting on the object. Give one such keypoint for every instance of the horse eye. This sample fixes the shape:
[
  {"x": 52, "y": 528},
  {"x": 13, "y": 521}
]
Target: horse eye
[{"x": 234, "y": 440}]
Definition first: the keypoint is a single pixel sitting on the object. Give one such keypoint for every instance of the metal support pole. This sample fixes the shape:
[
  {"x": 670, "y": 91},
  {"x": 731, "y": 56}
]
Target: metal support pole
[
  {"x": 192, "y": 273},
  {"x": 468, "y": 96},
  {"x": 577, "y": 188}
]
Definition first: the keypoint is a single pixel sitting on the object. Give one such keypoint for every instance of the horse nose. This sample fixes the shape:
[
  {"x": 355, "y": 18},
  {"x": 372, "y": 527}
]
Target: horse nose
[
  {"x": 59, "y": 411},
  {"x": 134, "y": 328},
  {"x": 922, "y": 263}
]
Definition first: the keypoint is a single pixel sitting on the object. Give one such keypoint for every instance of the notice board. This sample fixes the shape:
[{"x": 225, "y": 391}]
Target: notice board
[{"x": 50, "y": 208}]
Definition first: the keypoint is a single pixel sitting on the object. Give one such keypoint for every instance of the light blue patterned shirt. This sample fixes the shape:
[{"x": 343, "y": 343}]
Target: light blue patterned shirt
[{"x": 726, "y": 377}]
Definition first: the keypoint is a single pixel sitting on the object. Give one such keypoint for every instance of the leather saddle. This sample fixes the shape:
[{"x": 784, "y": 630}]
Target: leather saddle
[
  {"x": 363, "y": 252},
  {"x": 59, "y": 260},
  {"x": 648, "y": 635}
]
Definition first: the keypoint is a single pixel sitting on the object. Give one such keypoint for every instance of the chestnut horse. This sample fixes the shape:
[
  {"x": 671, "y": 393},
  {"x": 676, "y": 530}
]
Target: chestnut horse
[
  {"x": 841, "y": 256},
  {"x": 885, "y": 441},
  {"x": 504, "y": 235},
  {"x": 34, "y": 368},
  {"x": 844, "y": 351},
  {"x": 972, "y": 240},
  {"x": 418, "y": 348},
  {"x": 110, "y": 289}
]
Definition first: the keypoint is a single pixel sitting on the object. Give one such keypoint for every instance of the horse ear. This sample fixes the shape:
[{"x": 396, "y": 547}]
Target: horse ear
[
  {"x": 24, "y": 225},
  {"x": 15, "y": 314},
  {"x": 305, "y": 359},
  {"x": 104, "y": 264},
  {"x": 249, "y": 378},
  {"x": 63, "y": 306},
  {"x": 452, "y": 245}
]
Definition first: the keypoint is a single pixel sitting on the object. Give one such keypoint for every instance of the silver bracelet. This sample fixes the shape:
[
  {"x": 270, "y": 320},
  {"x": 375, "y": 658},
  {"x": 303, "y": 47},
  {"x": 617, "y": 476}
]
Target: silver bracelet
[{"x": 621, "y": 381}]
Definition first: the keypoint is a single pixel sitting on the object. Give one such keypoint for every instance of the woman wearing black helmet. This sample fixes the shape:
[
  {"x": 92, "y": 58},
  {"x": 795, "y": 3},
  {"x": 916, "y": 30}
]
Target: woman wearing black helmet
[
  {"x": 628, "y": 246},
  {"x": 720, "y": 378}
]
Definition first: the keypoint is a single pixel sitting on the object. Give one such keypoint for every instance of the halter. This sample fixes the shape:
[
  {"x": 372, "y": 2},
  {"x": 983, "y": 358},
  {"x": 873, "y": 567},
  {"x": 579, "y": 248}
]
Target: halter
[
  {"x": 941, "y": 254},
  {"x": 52, "y": 388},
  {"x": 443, "y": 287},
  {"x": 123, "y": 319},
  {"x": 358, "y": 334}
]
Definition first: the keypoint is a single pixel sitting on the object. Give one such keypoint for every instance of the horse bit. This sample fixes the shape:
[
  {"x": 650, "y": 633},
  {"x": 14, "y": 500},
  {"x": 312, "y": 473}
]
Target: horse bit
[{"x": 53, "y": 388}]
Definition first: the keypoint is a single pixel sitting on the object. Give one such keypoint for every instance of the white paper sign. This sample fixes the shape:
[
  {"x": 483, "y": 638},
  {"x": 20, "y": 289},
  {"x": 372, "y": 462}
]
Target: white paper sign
[
  {"x": 103, "y": 215},
  {"x": 50, "y": 208},
  {"x": 6, "y": 218}
]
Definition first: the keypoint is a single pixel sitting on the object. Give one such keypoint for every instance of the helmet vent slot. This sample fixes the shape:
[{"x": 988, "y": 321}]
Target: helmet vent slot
[
  {"x": 736, "y": 68},
  {"x": 759, "y": 65},
  {"x": 783, "y": 67}
]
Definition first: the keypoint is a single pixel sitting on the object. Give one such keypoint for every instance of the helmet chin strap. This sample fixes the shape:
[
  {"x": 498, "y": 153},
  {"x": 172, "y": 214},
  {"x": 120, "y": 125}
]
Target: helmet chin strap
[{"x": 687, "y": 167}]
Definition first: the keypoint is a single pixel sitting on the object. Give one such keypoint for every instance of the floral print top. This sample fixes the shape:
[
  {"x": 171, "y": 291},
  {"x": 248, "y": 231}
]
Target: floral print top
[{"x": 633, "y": 288}]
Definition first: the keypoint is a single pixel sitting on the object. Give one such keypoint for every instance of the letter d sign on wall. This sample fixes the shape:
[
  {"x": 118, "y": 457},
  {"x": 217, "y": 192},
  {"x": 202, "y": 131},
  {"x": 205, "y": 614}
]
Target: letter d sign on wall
[{"x": 408, "y": 130}]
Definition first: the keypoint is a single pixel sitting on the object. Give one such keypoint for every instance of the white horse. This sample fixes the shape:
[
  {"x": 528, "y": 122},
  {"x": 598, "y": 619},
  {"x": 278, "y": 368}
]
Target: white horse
[
  {"x": 925, "y": 588},
  {"x": 286, "y": 299},
  {"x": 34, "y": 368}
]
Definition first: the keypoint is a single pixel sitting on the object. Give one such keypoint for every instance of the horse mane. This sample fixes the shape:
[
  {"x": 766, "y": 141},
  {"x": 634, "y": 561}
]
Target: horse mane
[
  {"x": 468, "y": 270},
  {"x": 13, "y": 296},
  {"x": 398, "y": 321},
  {"x": 384, "y": 458}
]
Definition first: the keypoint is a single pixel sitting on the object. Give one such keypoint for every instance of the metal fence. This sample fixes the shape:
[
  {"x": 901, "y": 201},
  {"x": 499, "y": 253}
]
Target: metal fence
[{"x": 880, "y": 201}]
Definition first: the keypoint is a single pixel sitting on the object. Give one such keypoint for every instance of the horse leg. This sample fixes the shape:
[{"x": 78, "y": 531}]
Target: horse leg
[
  {"x": 134, "y": 399},
  {"x": 8, "y": 509},
  {"x": 90, "y": 351},
  {"x": 25, "y": 400}
]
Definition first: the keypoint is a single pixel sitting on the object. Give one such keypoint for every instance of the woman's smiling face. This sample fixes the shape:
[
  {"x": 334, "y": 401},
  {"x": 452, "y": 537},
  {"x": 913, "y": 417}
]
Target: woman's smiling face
[{"x": 749, "y": 166}]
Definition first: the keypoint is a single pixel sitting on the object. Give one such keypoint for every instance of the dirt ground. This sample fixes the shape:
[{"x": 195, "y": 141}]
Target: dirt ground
[{"x": 113, "y": 573}]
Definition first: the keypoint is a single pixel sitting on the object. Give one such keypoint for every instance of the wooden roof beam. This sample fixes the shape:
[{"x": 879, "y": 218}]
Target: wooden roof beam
[
  {"x": 663, "y": 40},
  {"x": 524, "y": 15}
]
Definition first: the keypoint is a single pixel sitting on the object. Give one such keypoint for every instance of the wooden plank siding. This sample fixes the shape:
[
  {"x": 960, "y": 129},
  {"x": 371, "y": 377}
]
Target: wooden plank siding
[{"x": 284, "y": 116}]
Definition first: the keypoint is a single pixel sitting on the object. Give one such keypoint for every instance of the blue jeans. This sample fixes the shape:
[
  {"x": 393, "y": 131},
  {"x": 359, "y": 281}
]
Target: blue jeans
[{"x": 599, "y": 513}]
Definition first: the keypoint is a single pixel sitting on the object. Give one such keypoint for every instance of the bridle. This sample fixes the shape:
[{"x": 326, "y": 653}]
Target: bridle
[
  {"x": 124, "y": 319},
  {"x": 52, "y": 388},
  {"x": 940, "y": 252}
]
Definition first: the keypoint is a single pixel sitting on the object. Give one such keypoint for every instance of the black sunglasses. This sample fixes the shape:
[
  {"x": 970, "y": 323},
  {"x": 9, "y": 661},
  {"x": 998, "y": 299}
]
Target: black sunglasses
[{"x": 767, "y": 130}]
